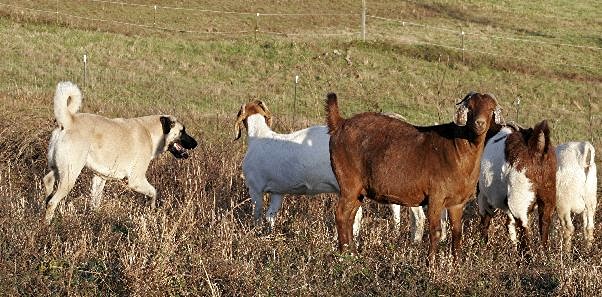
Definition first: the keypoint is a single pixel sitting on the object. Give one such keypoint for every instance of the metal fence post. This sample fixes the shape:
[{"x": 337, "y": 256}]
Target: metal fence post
[
  {"x": 590, "y": 118},
  {"x": 363, "y": 20},
  {"x": 295, "y": 100},
  {"x": 517, "y": 103},
  {"x": 256, "y": 25},
  {"x": 462, "y": 41},
  {"x": 85, "y": 71},
  {"x": 57, "y": 12},
  {"x": 155, "y": 17}
]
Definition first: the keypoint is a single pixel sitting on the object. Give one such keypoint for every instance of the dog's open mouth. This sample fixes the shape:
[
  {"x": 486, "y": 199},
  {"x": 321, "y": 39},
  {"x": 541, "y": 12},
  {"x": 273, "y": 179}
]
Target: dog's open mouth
[{"x": 178, "y": 150}]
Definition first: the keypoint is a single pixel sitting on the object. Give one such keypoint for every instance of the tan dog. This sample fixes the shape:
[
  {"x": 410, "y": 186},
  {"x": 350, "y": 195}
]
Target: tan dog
[{"x": 111, "y": 148}]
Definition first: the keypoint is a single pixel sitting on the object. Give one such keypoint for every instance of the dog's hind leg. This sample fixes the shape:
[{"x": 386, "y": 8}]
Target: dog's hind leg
[
  {"x": 69, "y": 164},
  {"x": 49, "y": 180},
  {"x": 51, "y": 176},
  {"x": 142, "y": 186},
  {"x": 65, "y": 185},
  {"x": 98, "y": 184}
]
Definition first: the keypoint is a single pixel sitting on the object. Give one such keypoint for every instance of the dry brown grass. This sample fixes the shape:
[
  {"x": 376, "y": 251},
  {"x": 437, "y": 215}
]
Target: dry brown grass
[{"x": 201, "y": 241}]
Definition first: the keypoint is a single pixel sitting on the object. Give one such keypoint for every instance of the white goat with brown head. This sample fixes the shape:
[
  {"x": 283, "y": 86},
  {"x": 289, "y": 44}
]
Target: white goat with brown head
[{"x": 295, "y": 163}]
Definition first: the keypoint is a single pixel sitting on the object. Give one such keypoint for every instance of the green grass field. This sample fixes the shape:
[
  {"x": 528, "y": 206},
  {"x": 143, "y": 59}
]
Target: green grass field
[{"x": 202, "y": 65}]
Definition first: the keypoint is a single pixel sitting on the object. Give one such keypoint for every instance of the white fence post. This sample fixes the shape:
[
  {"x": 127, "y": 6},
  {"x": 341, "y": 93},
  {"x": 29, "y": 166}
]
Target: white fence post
[
  {"x": 590, "y": 118},
  {"x": 462, "y": 37},
  {"x": 295, "y": 100},
  {"x": 155, "y": 17},
  {"x": 57, "y": 12},
  {"x": 256, "y": 25},
  {"x": 517, "y": 103},
  {"x": 364, "y": 20},
  {"x": 85, "y": 70}
]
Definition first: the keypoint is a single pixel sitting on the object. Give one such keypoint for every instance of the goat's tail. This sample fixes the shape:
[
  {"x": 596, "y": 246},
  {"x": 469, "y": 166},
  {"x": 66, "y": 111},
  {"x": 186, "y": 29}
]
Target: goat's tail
[
  {"x": 63, "y": 107},
  {"x": 589, "y": 164},
  {"x": 333, "y": 117},
  {"x": 540, "y": 139}
]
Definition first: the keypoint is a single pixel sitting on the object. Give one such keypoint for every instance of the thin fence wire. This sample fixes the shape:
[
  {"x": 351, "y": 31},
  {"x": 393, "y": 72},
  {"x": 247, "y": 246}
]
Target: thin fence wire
[
  {"x": 173, "y": 8},
  {"x": 459, "y": 31},
  {"x": 534, "y": 41},
  {"x": 307, "y": 14},
  {"x": 310, "y": 33},
  {"x": 155, "y": 27},
  {"x": 408, "y": 23},
  {"x": 221, "y": 11},
  {"x": 29, "y": 9},
  {"x": 488, "y": 53}
]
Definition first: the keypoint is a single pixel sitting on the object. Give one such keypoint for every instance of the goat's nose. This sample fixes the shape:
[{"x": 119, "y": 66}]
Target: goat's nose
[{"x": 480, "y": 123}]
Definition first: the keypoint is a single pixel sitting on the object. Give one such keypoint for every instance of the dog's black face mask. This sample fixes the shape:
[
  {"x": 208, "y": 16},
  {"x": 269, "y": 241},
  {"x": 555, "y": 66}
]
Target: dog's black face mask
[
  {"x": 187, "y": 141},
  {"x": 182, "y": 142}
]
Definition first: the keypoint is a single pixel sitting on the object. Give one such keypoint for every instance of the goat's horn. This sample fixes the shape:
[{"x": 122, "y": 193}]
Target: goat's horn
[
  {"x": 268, "y": 114},
  {"x": 470, "y": 94},
  {"x": 514, "y": 126},
  {"x": 264, "y": 106},
  {"x": 239, "y": 118},
  {"x": 492, "y": 97}
]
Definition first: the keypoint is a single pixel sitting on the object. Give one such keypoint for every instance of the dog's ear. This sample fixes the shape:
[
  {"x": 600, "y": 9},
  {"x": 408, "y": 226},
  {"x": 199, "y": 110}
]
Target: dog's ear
[{"x": 167, "y": 124}]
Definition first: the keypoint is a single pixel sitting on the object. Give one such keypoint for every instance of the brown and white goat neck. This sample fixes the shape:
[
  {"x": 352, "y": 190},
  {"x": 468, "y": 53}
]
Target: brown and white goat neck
[
  {"x": 391, "y": 161},
  {"x": 531, "y": 179}
]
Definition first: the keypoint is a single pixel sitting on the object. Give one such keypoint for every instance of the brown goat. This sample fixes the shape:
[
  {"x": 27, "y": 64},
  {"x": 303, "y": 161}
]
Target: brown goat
[
  {"x": 531, "y": 179},
  {"x": 391, "y": 161}
]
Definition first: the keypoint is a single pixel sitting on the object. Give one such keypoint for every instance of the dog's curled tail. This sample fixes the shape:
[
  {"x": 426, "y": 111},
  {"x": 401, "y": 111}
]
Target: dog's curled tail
[{"x": 67, "y": 101}]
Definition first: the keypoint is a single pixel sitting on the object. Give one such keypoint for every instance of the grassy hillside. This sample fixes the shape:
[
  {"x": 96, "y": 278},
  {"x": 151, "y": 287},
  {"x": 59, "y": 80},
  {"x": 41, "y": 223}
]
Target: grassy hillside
[{"x": 202, "y": 240}]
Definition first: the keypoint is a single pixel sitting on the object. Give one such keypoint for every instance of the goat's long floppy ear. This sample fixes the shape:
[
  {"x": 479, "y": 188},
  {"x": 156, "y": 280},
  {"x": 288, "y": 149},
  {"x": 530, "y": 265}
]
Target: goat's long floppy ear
[
  {"x": 540, "y": 139},
  {"x": 239, "y": 118},
  {"x": 497, "y": 116},
  {"x": 497, "y": 113},
  {"x": 268, "y": 114},
  {"x": 461, "y": 116}
]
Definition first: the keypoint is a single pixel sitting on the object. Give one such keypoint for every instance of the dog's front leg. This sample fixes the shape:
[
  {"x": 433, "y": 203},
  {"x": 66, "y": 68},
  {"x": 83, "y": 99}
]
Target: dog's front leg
[
  {"x": 98, "y": 184},
  {"x": 142, "y": 186}
]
